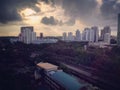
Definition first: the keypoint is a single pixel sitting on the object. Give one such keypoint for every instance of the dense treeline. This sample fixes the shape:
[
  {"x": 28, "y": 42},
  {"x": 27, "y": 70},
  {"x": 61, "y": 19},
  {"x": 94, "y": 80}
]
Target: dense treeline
[{"x": 17, "y": 61}]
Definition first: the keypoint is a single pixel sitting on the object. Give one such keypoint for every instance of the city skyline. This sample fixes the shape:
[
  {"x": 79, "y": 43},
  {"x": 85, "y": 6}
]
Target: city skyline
[{"x": 53, "y": 17}]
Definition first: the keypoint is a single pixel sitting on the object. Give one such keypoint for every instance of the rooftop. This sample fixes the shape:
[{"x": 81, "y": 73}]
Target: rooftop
[
  {"x": 47, "y": 66},
  {"x": 68, "y": 81}
]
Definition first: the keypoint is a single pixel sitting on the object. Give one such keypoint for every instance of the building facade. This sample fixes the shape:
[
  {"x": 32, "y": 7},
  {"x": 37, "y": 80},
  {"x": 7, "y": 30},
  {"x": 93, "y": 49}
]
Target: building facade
[
  {"x": 64, "y": 36},
  {"x": 27, "y": 35},
  {"x": 78, "y": 35},
  {"x": 96, "y": 33},
  {"x": 118, "y": 32},
  {"x": 105, "y": 30},
  {"x": 57, "y": 79}
]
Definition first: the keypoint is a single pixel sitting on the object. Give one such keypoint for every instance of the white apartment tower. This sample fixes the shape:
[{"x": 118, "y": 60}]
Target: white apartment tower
[
  {"x": 27, "y": 35},
  {"x": 70, "y": 36},
  {"x": 107, "y": 38}
]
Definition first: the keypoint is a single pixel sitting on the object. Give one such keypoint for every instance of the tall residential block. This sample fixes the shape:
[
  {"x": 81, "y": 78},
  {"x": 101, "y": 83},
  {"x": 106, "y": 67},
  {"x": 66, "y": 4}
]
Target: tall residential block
[
  {"x": 78, "y": 35},
  {"x": 27, "y": 35},
  {"x": 118, "y": 32}
]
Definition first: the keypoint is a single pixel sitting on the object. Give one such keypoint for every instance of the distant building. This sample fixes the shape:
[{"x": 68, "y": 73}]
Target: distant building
[
  {"x": 64, "y": 36},
  {"x": 91, "y": 35},
  {"x": 107, "y": 38},
  {"x": 57, "y": 79},
  {"x": 85, "y": 34},
  {"x": 88, "y": 35},
  {"x": 96, "y": 33},
  {"x": 41, "y": 35},
  {"x": 104, "y": 31},
  {"x": 45, "y": 40},
  {"x": 78, "y": 35},
  {"x": 27, "y": 35},
  {"x": 33, "y": 36},
  {"x": 118, "y": 32},
  {"x": 70, "y": 36}
]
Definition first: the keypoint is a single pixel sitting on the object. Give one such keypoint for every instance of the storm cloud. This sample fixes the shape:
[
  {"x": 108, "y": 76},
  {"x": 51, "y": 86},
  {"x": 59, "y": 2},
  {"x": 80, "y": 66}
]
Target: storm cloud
[
  {"x": 49, "y": 20},
  {"x": 79, "y": 8},
  {"x": 83, "y": 10},
  {"x": 110, "y": 9},
  {"x": 9, "y": 9}
]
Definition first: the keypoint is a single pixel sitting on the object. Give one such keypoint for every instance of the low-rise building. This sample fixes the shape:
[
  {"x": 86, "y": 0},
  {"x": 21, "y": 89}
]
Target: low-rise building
[{"x": 58, "y": 79}]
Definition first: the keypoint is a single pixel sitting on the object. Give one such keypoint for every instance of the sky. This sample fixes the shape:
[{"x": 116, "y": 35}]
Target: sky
[{"x": 53, "y": 17}]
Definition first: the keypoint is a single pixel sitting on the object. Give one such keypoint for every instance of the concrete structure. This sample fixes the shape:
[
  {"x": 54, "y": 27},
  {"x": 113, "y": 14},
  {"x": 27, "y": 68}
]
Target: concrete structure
[
  {"x": 64, "y": 38},
  {"x": 88, "y": 35},
  {"x": 46, "y": 40},
  {"x": 96, "y": 33},
  {"x": 70, "y": 36},
  {"x": 91, "y": 35},
  {"x": 33, "y": 34},
  {"x": 78, "y": 35},
  {"x": 85, "y": 34},
  {"x": 27, "y": 35},
  {"x": 104, "y": 31},
  {"x": 47, "y": 66},
  {"x": 100, "y": 44},
  {"x": 118, "y": 32},
  {"x": 107, "y": 38},
  {"x": 57, "y": 79},
  {"x": 41, "y": 35}
]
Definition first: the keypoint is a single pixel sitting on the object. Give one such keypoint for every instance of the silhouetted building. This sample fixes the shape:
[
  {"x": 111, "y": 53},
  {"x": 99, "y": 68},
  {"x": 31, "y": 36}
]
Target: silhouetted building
[
  {"x": 41, "y": 35},
  {"x": 78, "y": 35},
  {"x": 104, "y": 31},
  {"x": 96, "y": 33},
  {"x": 118, "y": 33}
]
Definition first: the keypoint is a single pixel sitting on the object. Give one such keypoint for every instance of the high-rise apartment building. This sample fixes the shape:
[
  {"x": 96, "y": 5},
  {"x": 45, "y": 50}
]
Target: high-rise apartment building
[
  {"x": 96, "y": 33},
  {"x": 27, "y": 35},
  {"x": 70, "y": 36},
  {"x": 78, "y": 35},
  {"x": 107, "y": 38},
  {"x": 85, "y": 34},
  {"x": 118, "y": 32},
  {"x": 104, "y": 31},
  {"x": 64, "y": 36},
  {"x": 88, "y": 35}
]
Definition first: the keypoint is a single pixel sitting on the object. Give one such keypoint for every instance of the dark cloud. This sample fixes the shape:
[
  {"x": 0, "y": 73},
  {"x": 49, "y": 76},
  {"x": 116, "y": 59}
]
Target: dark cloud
[
  {"x": 76, "y": 9},
  {"x": 109, "y": 11},
  {"x": 110, "y": 8},
  {"x": 52, "y": 21},
  {"x": 50, "y": 2},
  {"x": 79, "y": 8},
  {"x": 9, "y": 9},
  {"x": 49, "y": 20}
]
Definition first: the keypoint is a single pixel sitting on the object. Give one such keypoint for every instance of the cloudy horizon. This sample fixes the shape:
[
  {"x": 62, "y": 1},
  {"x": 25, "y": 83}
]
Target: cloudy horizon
[{"x": 53, "y": 17}]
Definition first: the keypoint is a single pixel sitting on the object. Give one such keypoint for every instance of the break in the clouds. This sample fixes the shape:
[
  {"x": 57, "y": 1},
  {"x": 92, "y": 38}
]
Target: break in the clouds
[
  {"x": 84, "y": 10},
  {"x": 60, "y": 13},
  {"x": 9, "y": 9}
]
